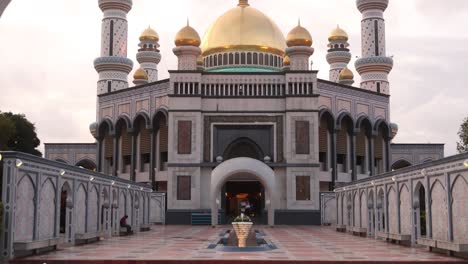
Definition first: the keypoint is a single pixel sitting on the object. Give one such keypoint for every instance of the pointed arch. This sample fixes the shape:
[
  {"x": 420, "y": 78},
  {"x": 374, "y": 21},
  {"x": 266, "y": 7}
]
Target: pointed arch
[
  {"x": 104, "y": 126},
  {"x": 141, "y": 115},
  {"x": 345, "y": 117}
]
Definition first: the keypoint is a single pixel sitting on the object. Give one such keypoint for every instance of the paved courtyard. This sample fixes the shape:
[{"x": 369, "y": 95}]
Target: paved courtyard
[{"x": 293, "y": 242}]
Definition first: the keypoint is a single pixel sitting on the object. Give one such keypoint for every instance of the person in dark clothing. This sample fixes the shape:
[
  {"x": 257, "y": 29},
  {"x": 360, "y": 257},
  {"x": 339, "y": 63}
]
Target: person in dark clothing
[{"x": 123, "y": 223}]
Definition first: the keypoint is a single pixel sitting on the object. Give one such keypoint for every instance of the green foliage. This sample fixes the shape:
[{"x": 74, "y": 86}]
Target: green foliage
[
  {"x": 18, "y": 134},
  {"x": 462, "y": 145},
  {"x": 242, "y": 218}
]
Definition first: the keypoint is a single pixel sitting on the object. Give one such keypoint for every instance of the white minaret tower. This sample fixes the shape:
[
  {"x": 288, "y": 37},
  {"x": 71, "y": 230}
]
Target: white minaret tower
[
  {"x": 338, "y": 55},
  {"x": 113, "y": 66},
  {"x": 148, "y": 55},
  {"x": 374, "y": 66}
]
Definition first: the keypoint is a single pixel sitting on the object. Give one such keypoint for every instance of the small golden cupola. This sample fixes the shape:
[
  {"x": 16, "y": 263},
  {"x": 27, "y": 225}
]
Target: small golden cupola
[
  {"x": 140, "y": 77},
  {"x": 346, "y": 77},
  {"x": 299, "y": 36},
  {"x": 338, "y": 34},
  {"x": 149, "y": 34},
  {"x": 187, "y": 36}
]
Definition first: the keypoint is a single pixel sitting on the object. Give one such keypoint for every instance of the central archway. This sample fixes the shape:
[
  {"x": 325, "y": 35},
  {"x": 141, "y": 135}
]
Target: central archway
[{"x": 252, "y": 168}]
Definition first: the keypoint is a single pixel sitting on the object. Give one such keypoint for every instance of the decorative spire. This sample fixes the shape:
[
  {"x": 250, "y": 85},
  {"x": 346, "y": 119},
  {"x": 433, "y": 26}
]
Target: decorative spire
[
  {"x": 188, "y": 22},
  {"x": 299, "y": 21},
  {"x": 243, "y": 3}
]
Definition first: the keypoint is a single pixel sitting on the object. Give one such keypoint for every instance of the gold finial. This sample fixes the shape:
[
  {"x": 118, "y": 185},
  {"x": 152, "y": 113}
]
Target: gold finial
[
  {"x": 243, "y": 3},
  {"x": 188, "y": 22},
  {"x": 299, "y": 21}
]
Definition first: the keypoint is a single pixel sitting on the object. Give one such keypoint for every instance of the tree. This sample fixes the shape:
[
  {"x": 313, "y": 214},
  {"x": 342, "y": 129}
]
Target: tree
[
  {"x": 20, "y": 134},
  {"x": 462, "y": 145}
]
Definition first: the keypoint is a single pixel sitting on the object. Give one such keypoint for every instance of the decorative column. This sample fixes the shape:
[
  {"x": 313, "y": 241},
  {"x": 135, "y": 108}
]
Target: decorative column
[
  {"x": 153, "y": 156},
  {"x": 333, "y": 158},
  {"x": 115, "y": 156},
  {"x": 372, "y": 155},
  {"x": 353, "y": 157},
  {"x": 134, "y": 154},
  {"x": 99, "y": 142}
]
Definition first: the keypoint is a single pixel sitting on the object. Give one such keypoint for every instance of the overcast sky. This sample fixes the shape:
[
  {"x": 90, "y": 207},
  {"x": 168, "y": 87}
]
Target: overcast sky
[{"x": 47, "y": 50}]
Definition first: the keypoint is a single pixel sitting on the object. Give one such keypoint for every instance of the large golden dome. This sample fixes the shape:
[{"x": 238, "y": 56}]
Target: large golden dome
[{"x": 244, "y": 28}]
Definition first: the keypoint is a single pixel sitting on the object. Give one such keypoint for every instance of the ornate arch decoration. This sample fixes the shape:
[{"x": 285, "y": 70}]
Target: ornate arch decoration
[
  {"x": 52, "y": 182},
  {"x": 160, "y": 114},
  {"x": 105, "y": 123},
  {"x": 86, "y": 160},
  {"x": 402, "y": 160},
  {"x": 146, "y": 118},
  {"x": 27, "y": 177},
  {"x": 326, "y": 113},
  {"x": 364, "y": 120},
  {"x": 441, "y": 184},
  {"x": 258, "y": 154},
  {"x": 403, "y": 186},
  {"x": 345, "y": 117},
  {"x": 461, "y": 178},
  {"x": 370, "y": 199},
  {"x": 378, "y": 124},
  {"x": 123, "y": 120}
]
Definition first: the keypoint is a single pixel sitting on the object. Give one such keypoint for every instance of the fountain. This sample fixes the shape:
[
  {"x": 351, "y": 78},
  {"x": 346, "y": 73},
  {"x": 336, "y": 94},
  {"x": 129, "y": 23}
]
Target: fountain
[{"x": 242, "y": 226}]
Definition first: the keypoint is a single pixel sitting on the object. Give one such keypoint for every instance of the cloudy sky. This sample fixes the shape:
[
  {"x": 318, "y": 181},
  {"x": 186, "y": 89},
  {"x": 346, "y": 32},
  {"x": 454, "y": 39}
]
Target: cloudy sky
[{"x": 47, "y": 50}]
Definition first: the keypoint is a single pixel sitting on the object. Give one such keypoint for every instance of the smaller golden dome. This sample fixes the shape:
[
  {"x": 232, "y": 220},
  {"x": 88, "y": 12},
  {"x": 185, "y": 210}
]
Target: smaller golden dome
[
  {"x": 346, "y": 74},
  {"x": 140, "y": 74},
  {"x": 149, "y": 34},
  {"x": 338, "y": 34},
  {"x": 187, "y": 36},
  {"x": 299, "y": 36},
  {"x": 286, "y": 61}
]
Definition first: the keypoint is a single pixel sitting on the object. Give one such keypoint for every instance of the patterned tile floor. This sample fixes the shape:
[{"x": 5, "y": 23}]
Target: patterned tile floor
[{"x": 293, "y": 242}]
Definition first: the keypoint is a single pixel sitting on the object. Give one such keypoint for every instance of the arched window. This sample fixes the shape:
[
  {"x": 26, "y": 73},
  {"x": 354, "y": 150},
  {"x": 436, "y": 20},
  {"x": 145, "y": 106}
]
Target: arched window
[
  {"x": 255, "y": 58},
  {"x": 215, "y": 60},
  {"x": 342, "y": 46},
  {"x": 225, "y": 59},
  {"x": 260, "y": 58},
  {"x": 249, "y": 58},
  {"x": 231, "y": 59},
  {"x": 271, "y": 60},
  {"x": 242, "y": 58},
  {"x": 237, "y": 58},
  {"x": 267, "y": 60},
  {"x": 220, "y": 60}
]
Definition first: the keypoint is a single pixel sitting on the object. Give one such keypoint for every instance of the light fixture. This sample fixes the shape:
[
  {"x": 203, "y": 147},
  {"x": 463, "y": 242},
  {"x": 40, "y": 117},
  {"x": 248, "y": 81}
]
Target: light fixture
[
  {"x": 62, "y": 172},
  {"x": 217, "y": 201},
  {"x": 373, "y": 183},
  {"x": 344, "y": 188},
  {"x": 112, "y": 182},
  {"x": 267, "y": 202},
  {"x": 19, "y": 163},
  {"x": 128, "y": 186},
  {"x": 394, "y": 178},
  {"x": 423, "y": 172},
  {"x": 91, "y": 178},
  {"x": 141, "y": 188},
  {"x": 1, "y": 157},
  {"x": 465, "y": 163}
]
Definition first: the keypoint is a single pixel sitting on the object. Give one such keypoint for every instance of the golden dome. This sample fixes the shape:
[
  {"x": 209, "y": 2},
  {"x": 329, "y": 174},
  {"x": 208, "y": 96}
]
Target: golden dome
[
  {"x": 140, "y": 74},
  {"x": 149, "y": 34},
  {"x": 346, "y": 74},
  {"x": 286, "y": 61},
  {"x": 299, "y": 36},
  {"x": 338, "y": 34},
  {"x": 187, "y": 36},
  {"x": 244, "y": 28}
]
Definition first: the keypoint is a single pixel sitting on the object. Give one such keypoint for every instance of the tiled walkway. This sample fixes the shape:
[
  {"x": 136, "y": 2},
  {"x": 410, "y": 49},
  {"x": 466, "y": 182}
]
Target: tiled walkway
[{"x": 293, "y": 242}]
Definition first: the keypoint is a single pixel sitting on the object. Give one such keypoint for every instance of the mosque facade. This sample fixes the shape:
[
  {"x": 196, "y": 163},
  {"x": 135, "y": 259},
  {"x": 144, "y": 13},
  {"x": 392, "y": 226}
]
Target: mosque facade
[{"x": 244, "y": 117}]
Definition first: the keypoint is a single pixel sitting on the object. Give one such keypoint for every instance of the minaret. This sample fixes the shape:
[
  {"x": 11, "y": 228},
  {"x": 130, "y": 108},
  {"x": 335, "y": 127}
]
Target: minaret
[
  {"x": 338, "y": 55},
  {"x": 148, "y": 55},
  {"x": 187, "y": 48},
  {"x": 299, "y": 49},
  {"x": 374, "y": 66},
  {"x": 113, "y": 66}
]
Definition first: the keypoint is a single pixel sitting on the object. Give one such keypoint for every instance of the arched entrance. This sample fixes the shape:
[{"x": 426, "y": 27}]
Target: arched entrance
[{"x": 244, "y": 169}]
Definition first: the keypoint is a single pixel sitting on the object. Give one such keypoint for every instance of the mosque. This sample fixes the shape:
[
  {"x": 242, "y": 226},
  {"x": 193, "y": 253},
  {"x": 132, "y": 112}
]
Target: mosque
[{"x": 244, "y": 117}]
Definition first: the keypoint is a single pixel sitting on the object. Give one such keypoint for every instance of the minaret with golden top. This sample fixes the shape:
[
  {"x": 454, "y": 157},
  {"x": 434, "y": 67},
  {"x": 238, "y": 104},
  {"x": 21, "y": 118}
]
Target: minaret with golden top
[
  {"x": 148, "y": 54},
  {"x": 187, "y": 48},
  {"x": 299, "y": 49},
  {"x": 338, "y": 55}
]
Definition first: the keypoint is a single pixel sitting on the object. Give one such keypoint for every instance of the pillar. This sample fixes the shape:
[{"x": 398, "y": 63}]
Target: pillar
[
  {"x": 134, "y": 154},
  {"x": 115, "y": 156}
]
